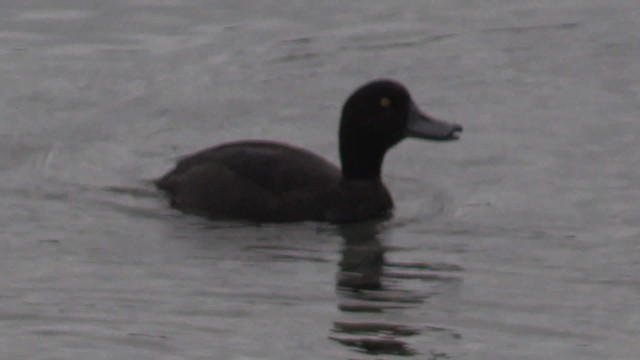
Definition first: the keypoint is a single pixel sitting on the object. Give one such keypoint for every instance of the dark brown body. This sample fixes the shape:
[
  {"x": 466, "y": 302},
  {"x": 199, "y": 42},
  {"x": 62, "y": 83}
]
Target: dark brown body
[{"x": 270, "y": 182}]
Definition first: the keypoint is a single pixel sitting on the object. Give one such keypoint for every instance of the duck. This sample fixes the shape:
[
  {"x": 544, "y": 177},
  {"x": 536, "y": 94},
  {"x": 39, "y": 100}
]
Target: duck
[{"x": 265, "y": 181}]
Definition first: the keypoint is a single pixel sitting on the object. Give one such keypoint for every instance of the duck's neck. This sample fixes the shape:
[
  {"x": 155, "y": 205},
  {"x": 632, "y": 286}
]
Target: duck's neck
[{"x": 360, "y": 160}]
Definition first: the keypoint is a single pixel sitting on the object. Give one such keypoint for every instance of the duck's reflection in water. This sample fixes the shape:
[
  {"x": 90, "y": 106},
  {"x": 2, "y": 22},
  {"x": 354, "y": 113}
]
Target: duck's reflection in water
[
  {"x": 367, "y": 302},
  {"x": 362, "y": 257}
]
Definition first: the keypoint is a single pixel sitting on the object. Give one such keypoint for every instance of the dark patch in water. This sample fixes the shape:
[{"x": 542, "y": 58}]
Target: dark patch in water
[{"x": 377, "y": 346}]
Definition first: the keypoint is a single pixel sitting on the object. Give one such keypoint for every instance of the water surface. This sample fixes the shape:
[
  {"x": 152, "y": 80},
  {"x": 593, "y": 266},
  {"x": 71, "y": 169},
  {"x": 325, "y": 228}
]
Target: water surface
[{"x": 518, "y": 242}]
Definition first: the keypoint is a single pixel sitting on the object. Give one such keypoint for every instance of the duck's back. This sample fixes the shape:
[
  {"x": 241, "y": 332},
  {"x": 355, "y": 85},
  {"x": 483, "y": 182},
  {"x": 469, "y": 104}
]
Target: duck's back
[
  {"x": 254, "y": 180},
  {"x": 274, "y": 166}
]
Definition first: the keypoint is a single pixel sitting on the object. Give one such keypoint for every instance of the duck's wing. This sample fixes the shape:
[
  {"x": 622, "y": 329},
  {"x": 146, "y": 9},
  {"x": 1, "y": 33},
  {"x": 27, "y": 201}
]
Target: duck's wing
[
  {"x": 260, "y": 181},
  {"x": 272, "y": 166}
]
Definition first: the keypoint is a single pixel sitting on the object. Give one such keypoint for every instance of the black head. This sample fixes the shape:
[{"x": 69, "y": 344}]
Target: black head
[{"x": 377, "y": 116}]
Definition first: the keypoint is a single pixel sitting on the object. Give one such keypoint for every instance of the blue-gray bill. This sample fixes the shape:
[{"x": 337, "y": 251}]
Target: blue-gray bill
[{"x": 422, "y": 126}]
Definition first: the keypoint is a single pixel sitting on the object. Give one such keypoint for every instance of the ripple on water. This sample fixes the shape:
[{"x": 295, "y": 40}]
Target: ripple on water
[
  {"x": 379, "y": 298},
  {"x": 58, "y": 15}
]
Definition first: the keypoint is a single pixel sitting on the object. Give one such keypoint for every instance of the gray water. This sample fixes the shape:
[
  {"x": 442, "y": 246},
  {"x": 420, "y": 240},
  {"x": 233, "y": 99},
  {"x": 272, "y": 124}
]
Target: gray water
[{"x": 520, "y": 241}]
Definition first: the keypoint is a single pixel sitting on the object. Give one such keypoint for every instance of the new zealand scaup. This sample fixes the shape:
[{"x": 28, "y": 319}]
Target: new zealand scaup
[{"x": 265, "y": 181}]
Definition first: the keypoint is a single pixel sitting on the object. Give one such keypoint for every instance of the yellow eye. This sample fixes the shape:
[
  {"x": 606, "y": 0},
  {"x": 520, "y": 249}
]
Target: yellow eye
[{"x": 385, "y": 102}]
